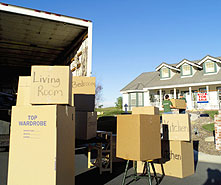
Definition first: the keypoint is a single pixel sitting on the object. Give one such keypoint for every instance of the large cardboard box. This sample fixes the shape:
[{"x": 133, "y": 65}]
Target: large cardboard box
[
  {"x": 51, "y": 85},
  {"x": 138, "y": 137},
  {"x": 83, "y": 85},
  {"x": 176, "y": 127},
  {"x": 177, "y": 159},
  {"x": 23, "y": 95},
  {"x": 146, "y": 110},
  {"x": 86, "y": 125},
  {"x": 178, "y": 103},
  {"x": 42, "y": 145},
  {"x": 84, "y": 102}
]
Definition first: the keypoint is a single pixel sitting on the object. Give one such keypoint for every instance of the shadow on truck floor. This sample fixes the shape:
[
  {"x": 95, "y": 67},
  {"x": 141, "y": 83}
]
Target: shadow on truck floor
[{"x": 105, "y": 177}]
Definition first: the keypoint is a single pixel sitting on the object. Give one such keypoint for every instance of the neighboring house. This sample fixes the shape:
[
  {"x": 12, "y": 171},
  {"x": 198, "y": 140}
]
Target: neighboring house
[{"x": 191, "y": 78}]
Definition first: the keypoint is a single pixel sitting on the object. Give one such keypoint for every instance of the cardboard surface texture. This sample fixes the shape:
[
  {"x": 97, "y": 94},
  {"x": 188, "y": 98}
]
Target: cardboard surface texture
[
  {"x": 83, "y": 85},
  {"x": 146, "y": 110},
  {"x": 42, "y": 145},
  {"x": 176, "y": 127},
  {"x": 138, "y": 137},
  {"x": 177, "y": 159},
  {"x": 84, "y": 102},
  {"x": 23, "y": 95},
  {"x": 178, "y": 103},
  {"x": 51, "y": 85},
  {"x": 86, "y": 125}
]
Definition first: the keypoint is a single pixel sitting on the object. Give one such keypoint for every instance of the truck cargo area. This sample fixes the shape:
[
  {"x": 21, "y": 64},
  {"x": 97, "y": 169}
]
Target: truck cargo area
[{"x": 33, "y": 37}]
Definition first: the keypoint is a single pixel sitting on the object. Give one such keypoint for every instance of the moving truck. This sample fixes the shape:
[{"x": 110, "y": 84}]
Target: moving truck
[{"x": 34, "y": 37}]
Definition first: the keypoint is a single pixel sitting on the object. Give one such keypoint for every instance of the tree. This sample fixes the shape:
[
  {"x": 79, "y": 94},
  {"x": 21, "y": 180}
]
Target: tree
[
  {"x": 119, "y": 102},
  {"x": 98, "y": 94}
]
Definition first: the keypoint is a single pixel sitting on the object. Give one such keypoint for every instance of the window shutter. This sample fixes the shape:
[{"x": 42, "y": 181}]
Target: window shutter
[
  {"x": 181, "y": 70},
  {"x": 204, "y": 68},
  {"x": 215, "y": 67},
  {"x": 191, "y": 70}
]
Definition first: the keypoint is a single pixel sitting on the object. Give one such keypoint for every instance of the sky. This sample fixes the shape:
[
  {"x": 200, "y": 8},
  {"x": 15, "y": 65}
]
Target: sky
[{"x": 135, "y": 36}]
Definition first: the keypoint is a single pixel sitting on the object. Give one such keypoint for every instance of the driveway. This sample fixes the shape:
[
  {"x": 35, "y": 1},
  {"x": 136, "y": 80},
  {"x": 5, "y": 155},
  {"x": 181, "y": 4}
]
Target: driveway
[{"x": 206, "y": 174}]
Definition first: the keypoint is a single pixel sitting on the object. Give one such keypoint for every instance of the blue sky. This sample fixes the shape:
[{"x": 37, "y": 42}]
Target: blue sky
[{"x": 135, "y": 36}]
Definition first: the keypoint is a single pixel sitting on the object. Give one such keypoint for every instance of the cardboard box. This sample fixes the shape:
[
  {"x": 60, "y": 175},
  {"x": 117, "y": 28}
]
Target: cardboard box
[
  {"x": 176, "y": 127},
  {"x": 146, "y": 110},
  {"x": 177, "y": 159},
  {"x": 83, "y": 85},
  {"x": 178, "y": 103},
  {"x": 84, "y": 102},
  {"x": 138, "y": 137},
  {"x": 42, "y": 145},
  {"x": 23, "y": 95},
  {"x": 86, "y": 125},
  {"x": 51, "y": 85}
]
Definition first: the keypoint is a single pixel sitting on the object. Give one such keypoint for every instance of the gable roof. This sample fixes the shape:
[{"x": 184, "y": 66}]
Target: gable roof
[
  {"x": 188, "y": 62},
  {"x": 208, "y": 57},
  {"x": 171, "y": 66}
]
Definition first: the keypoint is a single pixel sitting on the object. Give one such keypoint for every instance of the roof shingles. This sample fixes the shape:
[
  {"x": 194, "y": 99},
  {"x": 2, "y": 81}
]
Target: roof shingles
[{"x": 152, "y": 79}]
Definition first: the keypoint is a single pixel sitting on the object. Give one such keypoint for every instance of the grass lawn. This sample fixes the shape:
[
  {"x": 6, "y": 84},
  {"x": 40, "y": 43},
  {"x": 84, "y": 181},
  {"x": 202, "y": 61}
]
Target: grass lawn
[
  {"x": 109, "y": 111},
  {"x": 209, "y": 127},
  {"x": 211, "y": 113}
]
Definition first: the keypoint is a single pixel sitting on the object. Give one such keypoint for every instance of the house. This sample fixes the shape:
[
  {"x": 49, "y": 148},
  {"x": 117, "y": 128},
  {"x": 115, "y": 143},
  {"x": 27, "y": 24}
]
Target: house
[{"x": 199, "y": 81}]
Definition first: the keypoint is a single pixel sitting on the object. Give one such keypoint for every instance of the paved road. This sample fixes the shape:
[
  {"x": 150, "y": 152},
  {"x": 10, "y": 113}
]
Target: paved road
[{"x": 206, "y": 174}]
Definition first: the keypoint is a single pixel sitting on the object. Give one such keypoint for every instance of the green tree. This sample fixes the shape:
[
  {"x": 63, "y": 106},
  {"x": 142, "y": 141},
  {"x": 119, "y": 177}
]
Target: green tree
[{"x": 119, "y": 102}]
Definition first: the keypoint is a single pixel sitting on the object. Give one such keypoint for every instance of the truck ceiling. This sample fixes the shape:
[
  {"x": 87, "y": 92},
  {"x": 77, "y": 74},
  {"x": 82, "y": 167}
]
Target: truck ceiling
[{"x": 32, "y": 37}]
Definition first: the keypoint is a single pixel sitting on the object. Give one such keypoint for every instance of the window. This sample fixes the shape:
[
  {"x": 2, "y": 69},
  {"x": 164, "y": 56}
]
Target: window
[
  {"x": 136, "y": 100},
  {"x": 133, "y": 99},
  {"x": 140, "y": 99},
  {"x": 209, "y": 67},
  {"x": 186, "y": 70},
  {"x": 165, "y": 72}
]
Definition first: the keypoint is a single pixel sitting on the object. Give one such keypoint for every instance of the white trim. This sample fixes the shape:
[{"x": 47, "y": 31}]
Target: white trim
[
  {"x": 166, "y": 65},
  {"x": 211, "y": 73},
  {"x": 165, "y": 78},
  {"x": 188, "y": 62},
  {"x": 44, "y": 15},
  {"x": 132, "y": 91},
  {"x": 183, "y": 85},
  {"x": 186, "y": 76},
  {"x": 209, "y": 58}
]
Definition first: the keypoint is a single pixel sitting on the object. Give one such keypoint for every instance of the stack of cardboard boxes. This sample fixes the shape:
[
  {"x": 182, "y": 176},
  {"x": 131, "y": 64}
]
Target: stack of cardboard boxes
[
  {"x": 176, "y": 146},
  {"x": 83, "y": 90},
  {"x": 43, "y": 129},
  {"x": 138, "y": 135},
  {"x": 217, "y": 120}
]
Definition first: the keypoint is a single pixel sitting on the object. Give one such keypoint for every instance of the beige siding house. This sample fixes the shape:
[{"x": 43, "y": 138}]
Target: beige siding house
[{"x": 199, "y": 81}]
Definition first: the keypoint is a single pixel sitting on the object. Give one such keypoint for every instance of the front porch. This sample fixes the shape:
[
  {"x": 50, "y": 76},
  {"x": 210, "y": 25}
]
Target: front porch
[{"x": 155, "y": 97}]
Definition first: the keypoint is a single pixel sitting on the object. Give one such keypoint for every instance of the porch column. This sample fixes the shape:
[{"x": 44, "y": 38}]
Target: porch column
[
  {"x": 174, "y": 91},
  {"x": 190, "y": 105},
  {"x": 147, "y": 98},
  {"x": 207, "y": 91},
  {"x": 160, "y": 98}
]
